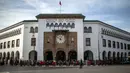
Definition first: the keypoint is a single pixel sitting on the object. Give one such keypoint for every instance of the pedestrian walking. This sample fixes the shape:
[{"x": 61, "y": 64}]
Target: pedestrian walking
[{"x": 81, "y": 63}]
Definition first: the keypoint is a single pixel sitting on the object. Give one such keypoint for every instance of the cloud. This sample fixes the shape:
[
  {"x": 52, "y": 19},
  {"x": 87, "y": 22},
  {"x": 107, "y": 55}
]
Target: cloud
[{"x": 112, "y": 12}]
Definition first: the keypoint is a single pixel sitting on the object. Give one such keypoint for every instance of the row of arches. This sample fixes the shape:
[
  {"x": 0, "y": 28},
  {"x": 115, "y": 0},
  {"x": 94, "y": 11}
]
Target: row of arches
[
  {"x": 114, "y": 55},
  {"x": 87, "y": 30},
  {"x": 33, "y": 30},
  {"x": 114, "y": 34},
  {"x": 62, "y": 25},
  {"x": 72, "y": 55},
  {"x": 10, "y": 55},
  {"x": 60, "y": 55},
  {"x": 11, "y": 33}
]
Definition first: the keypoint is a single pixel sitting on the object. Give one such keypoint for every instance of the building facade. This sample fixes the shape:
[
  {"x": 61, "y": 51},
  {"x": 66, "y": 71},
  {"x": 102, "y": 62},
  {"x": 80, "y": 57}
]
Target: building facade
[{"x": 64, "y": 37}]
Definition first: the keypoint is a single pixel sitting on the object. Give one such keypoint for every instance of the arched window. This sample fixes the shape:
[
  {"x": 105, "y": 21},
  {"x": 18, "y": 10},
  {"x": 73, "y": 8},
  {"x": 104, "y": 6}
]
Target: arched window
[
  {"x": 1, "y": 45},
  {"x": 52, "y": 25},
  {"x": 31, "y": 30},
  {"x": 121, "y": 45},
  {"x": 102, "y": 30},
  {"x": 73, "y": 25},
  {"x": 60, "y": 24},
  {"x": 36, "y": 29},
  {"x": 64, "y": 24},
  {"x": 13, "y": 43},
  {"x": 56, "y": 25},
  {"x": 17, "y": 42},
  {"x": 4, "y": 44},
  {"x": 106, "y": 32},
  {"x": 8, "y": 44},
  {"x": 47, "y": 25},
  {"x": 89, "y": 29},
  {"x": 17, "y": 31},
  {"x": 69, "y": 25},
  {"x": 85, "y": 29}
]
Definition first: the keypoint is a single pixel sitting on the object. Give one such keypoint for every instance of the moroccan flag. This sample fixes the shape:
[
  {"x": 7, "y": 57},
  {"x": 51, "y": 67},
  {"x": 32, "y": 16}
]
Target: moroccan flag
[{"x": 60, "y": 3}]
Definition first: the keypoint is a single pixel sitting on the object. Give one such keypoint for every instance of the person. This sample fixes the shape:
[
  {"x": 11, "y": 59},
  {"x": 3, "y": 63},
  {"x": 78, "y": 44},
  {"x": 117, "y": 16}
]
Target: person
[{"x": 81, "y": 63}]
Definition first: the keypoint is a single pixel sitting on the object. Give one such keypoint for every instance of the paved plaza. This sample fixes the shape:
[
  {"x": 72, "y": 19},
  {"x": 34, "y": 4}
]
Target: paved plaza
[{"x": 85, "y": 69}]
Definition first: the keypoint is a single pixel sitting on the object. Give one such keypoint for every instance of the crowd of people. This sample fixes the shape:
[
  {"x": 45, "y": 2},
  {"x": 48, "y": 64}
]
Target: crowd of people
[{"x": 16, "y": 62}]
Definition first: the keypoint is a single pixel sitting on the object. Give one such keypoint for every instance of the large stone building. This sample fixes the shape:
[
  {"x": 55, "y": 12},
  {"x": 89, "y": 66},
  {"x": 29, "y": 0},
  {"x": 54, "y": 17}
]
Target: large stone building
[{"x": 64, "y": 37}]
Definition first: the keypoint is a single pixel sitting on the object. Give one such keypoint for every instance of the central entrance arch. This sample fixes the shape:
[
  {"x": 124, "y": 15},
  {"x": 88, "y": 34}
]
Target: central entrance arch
[
  {"x": 60, "y": 55},
  {"x": 48, "y": 55},
  {"x": 72, "y": 55},
  {"x": 88, "y": 55},
  {"x": 33, "y": 55}
]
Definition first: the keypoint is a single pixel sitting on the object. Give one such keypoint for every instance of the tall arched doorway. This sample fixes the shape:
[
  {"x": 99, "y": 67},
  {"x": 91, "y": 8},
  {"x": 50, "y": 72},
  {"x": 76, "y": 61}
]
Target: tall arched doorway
[
  {"x": 48, "y": 55},
  {"x": 17, "y": 55},
  {"x": 118, "y": 56},
  {"x": 125, "y": 56},
  {"x": 114, "y": 57},
  {"x": 109, "y": 55},
  {"x": 104, "y": 55},
  {"x": 8, "y": 55},
  {"x": 60, "y": 55},
  {"x": 88, "y": 55},
  {"x": 4, "y": 55},
  {"x": 12, "y": 55},
  {"x": 33, "y": 55},
  {"x": 72, "y": 55},
  {"x": 122, "y": 56}
]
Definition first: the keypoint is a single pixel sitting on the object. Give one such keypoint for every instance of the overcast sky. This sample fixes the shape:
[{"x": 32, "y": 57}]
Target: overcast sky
[{"x": 113, "y": 12}]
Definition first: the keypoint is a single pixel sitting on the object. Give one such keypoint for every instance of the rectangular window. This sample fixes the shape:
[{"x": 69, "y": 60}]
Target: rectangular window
[
  {"x": 88, "y": 42},
  {"x": 4, "y": 44},
  {"x": 109, "y": 43},
  {"x": 121, "y": 45},
  {"x": 104, "y": 42},
  {"x": 1, "y": 46},
  {"x": 125, "y": 46},
  {"x": 8, "y": 44},
  {"x": 33, "y": 41},
  {"x": 118, "y": 45},
  {"x": 114, "y": 45},
  {"x": 128, "y": 46}
]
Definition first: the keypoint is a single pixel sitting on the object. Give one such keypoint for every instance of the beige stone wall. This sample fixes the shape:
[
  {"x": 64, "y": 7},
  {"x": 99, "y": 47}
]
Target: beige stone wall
[{"x": 50, "y": 43}]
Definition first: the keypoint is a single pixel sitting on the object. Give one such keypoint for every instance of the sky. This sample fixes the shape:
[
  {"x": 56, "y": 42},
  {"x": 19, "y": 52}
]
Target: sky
[{"x": 113, "y": 12}]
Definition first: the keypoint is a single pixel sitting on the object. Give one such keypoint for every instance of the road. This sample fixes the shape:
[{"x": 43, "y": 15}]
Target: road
[{"x": 85, "y": 69}]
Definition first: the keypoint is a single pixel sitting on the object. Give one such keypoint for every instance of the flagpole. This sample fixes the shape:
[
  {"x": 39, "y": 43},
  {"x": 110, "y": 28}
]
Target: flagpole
[
  {"x": 60, "y": 9},
  {"x": 60, "y": 6}
]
